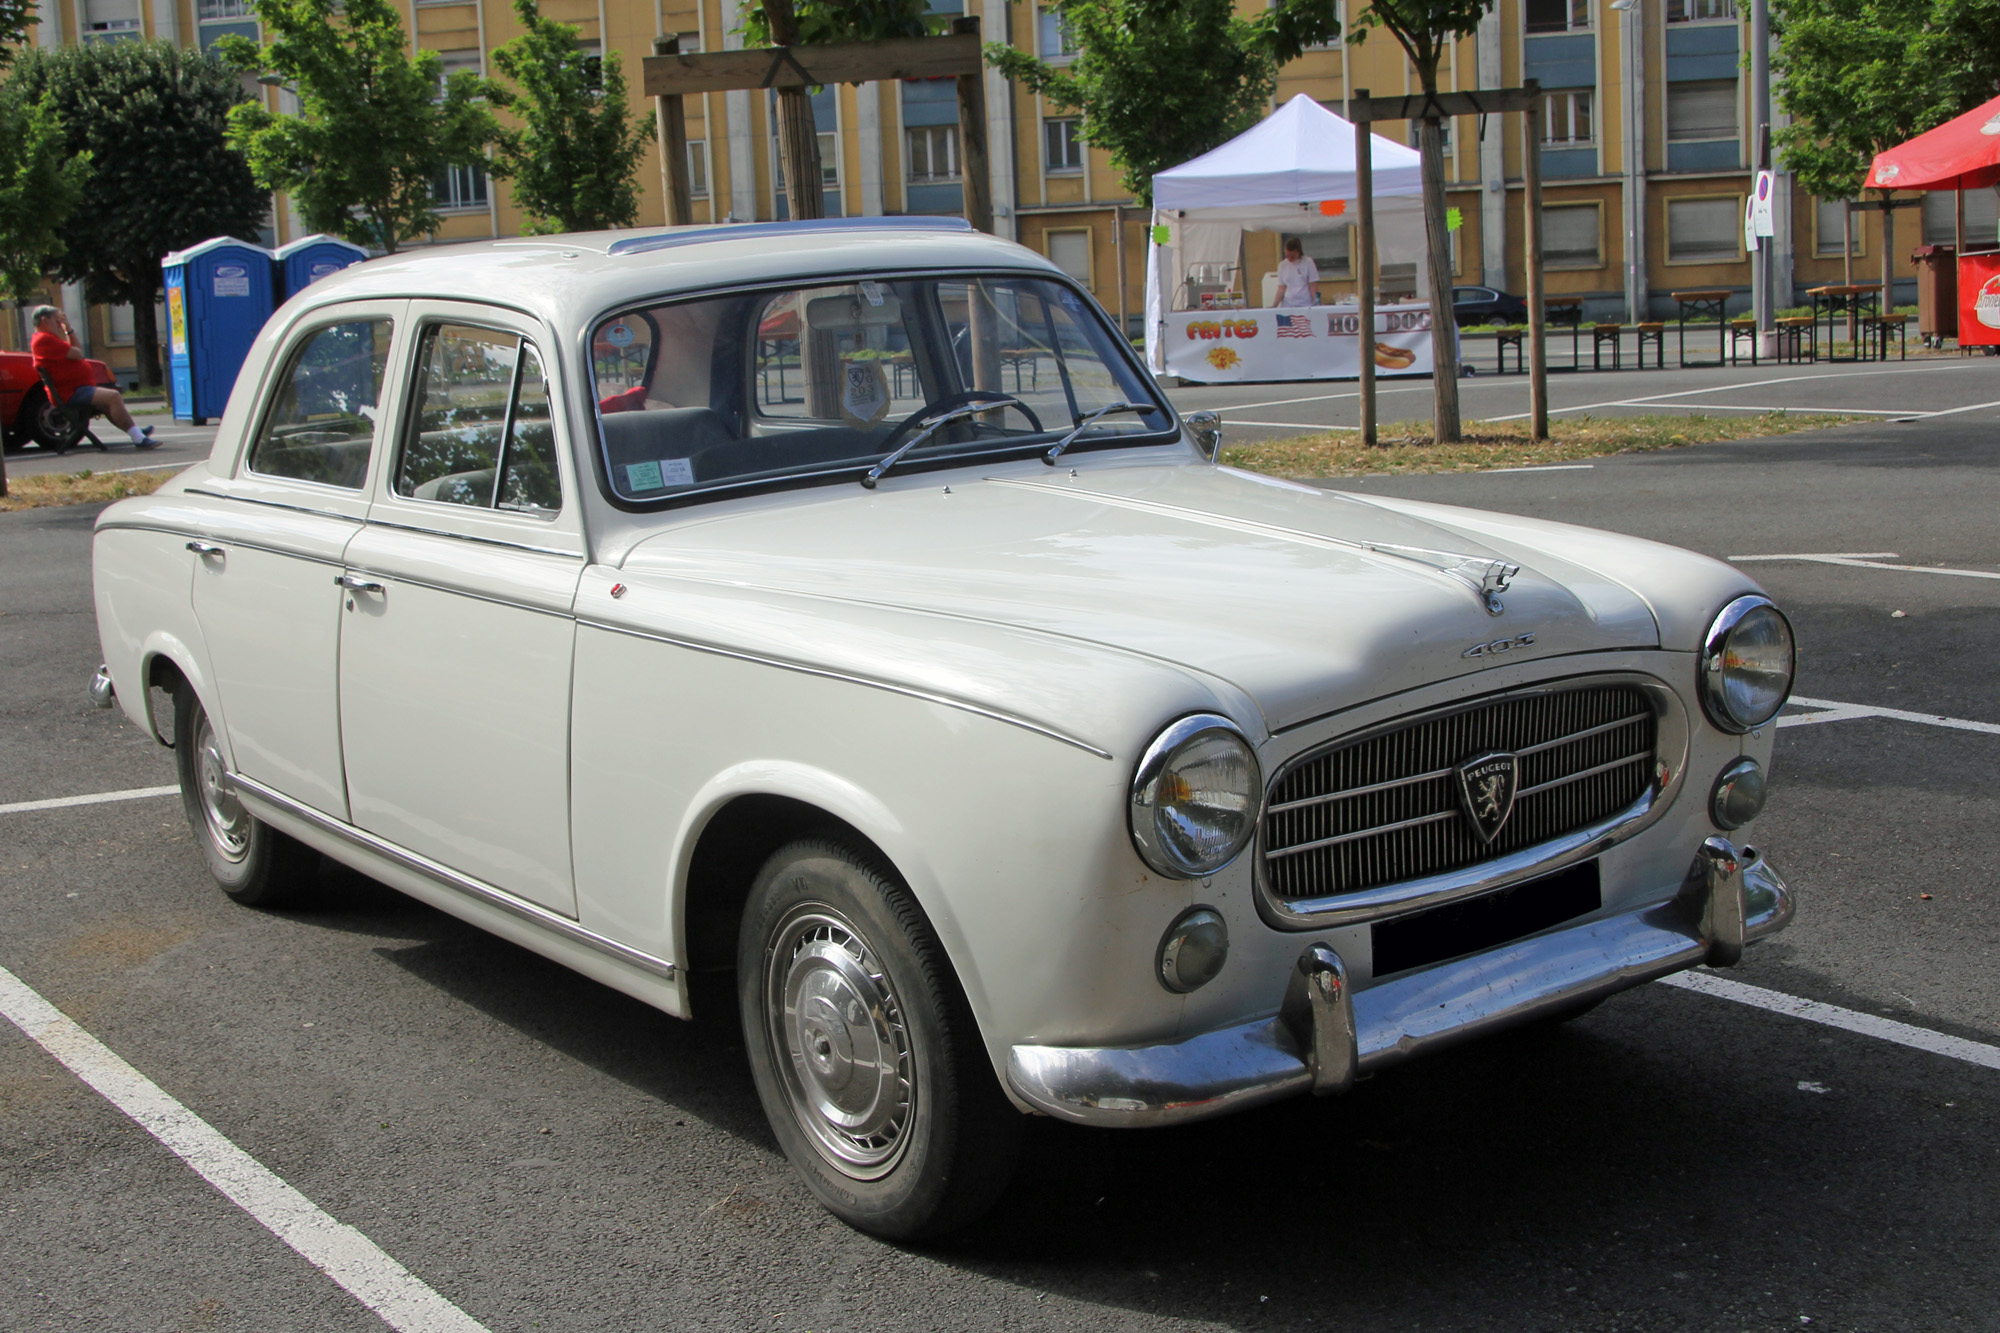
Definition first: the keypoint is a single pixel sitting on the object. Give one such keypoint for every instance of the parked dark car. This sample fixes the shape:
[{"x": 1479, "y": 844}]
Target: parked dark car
[{"x": 1484, "y": 305}]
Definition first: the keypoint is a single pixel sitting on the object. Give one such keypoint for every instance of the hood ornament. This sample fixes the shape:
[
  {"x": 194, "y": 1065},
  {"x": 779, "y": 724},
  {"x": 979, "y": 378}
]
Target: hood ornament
[
  {"x": 1485, "y": 575},
  {"x": 1487, "y": 785}
]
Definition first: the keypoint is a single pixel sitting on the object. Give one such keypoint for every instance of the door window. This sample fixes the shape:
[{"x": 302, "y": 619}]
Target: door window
[
  {"x": 482, "y": 430},
  {"x": 321, "y": 424}
]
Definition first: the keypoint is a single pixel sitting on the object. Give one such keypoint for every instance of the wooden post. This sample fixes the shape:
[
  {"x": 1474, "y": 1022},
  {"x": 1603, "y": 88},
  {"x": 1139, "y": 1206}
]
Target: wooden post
[
  {"x": 1538, "y": 350},
  {"x": 1364, "y": 284},
  {"x": 973, "y": 166},
  {"x": 670, "y": 117},
  {"x": 1118, "y": 248}
]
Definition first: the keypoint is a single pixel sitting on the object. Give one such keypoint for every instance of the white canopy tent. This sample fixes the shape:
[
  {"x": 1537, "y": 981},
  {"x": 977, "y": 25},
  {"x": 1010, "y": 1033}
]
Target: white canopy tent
[{"x": 1273, "y": 177}]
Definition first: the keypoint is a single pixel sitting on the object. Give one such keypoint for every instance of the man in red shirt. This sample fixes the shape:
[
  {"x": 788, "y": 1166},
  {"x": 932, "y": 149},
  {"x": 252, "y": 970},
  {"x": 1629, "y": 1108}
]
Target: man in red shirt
[{"x": 55, "y": 350}]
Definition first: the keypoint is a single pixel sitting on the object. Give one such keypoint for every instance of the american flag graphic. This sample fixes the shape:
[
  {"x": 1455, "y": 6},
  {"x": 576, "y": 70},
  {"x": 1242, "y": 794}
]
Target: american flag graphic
[{"x": 1294, "y": 326}]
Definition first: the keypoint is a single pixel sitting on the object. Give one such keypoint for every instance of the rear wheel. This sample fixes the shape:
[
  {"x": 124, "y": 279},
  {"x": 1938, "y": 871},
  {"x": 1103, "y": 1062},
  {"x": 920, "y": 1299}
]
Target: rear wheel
[
  {"x": 863, "y": 1049},
  {"x": 249, "y": 860}
]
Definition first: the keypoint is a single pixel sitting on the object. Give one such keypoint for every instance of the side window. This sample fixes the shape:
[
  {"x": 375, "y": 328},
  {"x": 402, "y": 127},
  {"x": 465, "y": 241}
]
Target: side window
[
  {"x": 321, "y": 423},
  {"x": 481, "y": 427}
]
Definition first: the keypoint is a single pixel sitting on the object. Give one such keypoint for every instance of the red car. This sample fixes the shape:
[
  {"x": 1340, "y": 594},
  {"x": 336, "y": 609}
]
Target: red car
[{"x": 25, "y": 411}]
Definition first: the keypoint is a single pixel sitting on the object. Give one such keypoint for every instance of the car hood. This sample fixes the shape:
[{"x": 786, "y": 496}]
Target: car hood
[{"x": 1307, "y": 601}]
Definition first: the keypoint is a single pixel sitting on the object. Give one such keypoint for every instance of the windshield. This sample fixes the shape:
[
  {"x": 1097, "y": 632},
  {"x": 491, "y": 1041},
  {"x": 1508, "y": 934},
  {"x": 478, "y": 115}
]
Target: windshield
[{"x": 827, "y": 381}]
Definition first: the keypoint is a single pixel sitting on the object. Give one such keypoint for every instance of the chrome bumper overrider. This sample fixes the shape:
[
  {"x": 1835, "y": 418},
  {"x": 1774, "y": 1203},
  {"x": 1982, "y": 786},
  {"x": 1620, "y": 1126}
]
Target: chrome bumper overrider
[
  {"x": 101, "y": 692},
  {"x": 1326, "y": 1033}
]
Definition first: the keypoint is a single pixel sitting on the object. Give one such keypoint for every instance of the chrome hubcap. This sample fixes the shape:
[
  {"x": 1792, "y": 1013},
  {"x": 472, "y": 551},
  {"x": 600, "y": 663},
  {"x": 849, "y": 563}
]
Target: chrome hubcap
[
  {"x": 842, "y": 1046},
  {"x": 227, "y": 821}
]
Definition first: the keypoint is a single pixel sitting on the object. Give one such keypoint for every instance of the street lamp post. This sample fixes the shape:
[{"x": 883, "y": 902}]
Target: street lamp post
[{"x": 1760, "y": 120}]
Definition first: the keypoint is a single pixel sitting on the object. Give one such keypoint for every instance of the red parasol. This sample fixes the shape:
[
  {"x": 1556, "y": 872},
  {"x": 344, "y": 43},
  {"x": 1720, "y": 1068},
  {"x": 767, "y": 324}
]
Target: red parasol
[{"x": 1960, "y": 154}]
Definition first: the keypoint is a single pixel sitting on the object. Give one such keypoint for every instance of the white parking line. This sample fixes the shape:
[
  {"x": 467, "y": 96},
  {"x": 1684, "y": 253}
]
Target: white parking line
[
  {"x": 1750, "y": 384},
  {"x": 96, "y": 798},
  {"x": 1953, "y": 411},
  {"x": 1840, "y": 712},
  {"x": 1863, "y": 561},
  {"x": 401, "y": 1298},
  {"x": 1833, "y": 1016}
]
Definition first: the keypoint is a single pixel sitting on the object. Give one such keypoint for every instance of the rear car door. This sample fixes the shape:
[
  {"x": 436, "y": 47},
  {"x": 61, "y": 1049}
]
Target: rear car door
[
  {"x": 456, "y": 622},
  {"x": 264, "y": 592}
]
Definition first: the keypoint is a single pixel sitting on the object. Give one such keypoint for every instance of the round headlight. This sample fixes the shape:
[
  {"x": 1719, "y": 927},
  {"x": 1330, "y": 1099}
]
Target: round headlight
[
  {"x": 1195, "y": 797},
  {"x": 1738, "y": 797},
  {"x": 1746, "y": 665}
]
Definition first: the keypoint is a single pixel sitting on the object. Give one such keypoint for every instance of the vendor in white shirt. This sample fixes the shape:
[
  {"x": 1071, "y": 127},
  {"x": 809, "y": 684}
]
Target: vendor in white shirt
[{"x": 1296, "y": 275}]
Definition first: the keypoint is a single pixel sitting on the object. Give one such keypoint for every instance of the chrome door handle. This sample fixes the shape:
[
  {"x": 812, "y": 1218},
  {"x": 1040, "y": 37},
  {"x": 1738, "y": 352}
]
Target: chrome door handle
[
  {"x": 206, "y": 548},
  {"x": 356, "y": 583}
]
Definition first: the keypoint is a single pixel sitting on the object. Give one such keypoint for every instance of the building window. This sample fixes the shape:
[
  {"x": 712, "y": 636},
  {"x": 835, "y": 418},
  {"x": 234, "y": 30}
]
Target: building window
[
  {"x": 1827, "y": 224},
  {"x": 1557, "y": 15},
  {"x": 459, "y": 188},
  {"x": 1699, "y": 11},
  {"x": 463, "y": 61},
  {"x": 212, "y": 11},
  {"x": 1054, "y": 41},
  {"x": 1705, "y": 231},
  {"x": 1566, "y": 120},
  {"x": 930, "y": 152},
  {"x": 1940, "y": 218},
  {"x": 1570, "y": 236},
  {"x": 1070, "y": 252},
  {"x": 690, "y": 43},
  {"x": 1701, "y": 109},
  {"x": 109, "y": 20},
  {"x": 698, "y": 168},
  {"x": 121, "y": 328},
  {"x": 1062, "y": 150}
]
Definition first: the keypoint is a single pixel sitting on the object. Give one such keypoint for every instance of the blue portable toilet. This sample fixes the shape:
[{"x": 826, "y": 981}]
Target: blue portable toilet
[
  {"x": 219, "y": 294},
  {"x": 310, "y": 258}
]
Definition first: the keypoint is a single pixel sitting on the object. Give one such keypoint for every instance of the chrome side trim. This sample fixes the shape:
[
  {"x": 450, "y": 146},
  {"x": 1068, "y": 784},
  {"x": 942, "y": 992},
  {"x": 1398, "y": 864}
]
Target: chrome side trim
[
  {"x": 443, "y": 875},
  {"x": 908, "y": 691},
  {"x": 1669, "y": 766},
  {"x": 374, "y": 522},
  {"x": 280, "y": 504},
  {"x": 1214, "y": 1073},
  {"x": 223, "y": 545},
  {"x": 364, "y": 573}
]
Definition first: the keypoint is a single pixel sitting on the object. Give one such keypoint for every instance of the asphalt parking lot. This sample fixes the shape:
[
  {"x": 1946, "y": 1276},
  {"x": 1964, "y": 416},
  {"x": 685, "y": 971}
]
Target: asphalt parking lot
[{"x": 546, "y": 1154}]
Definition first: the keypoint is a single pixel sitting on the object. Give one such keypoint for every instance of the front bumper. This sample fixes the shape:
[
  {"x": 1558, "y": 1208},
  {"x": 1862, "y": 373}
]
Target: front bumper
[{"x": 1326, "y": 1034}]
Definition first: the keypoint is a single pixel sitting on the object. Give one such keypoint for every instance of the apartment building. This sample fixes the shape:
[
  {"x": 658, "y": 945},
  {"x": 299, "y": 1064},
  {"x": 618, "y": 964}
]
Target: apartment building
[{"x": 1647, "y": 146}]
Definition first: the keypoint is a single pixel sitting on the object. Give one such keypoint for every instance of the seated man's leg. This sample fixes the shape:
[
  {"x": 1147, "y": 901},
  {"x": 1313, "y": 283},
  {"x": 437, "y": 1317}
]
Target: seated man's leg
[{"x": 111, "y": 403}]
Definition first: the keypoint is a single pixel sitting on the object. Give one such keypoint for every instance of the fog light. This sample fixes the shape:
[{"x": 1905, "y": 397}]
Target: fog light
[
  {"x": 1738, "y": 797},
  {"x": 1194, "y": 949}
]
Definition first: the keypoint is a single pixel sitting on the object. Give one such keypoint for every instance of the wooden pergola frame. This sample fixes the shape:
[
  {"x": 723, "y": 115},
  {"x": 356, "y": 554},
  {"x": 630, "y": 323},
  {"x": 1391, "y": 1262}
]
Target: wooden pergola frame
[
  {"x": 1364, "y": 110},
  {"x": 669, "y": 76}
]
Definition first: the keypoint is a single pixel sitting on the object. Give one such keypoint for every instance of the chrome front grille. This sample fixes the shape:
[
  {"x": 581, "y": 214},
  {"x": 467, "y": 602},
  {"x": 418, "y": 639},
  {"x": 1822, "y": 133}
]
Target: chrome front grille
[{"x": 1389, "y": 808}]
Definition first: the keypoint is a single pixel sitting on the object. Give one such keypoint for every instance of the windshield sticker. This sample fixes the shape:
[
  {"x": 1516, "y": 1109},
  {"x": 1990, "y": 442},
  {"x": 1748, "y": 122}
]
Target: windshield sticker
[
  {"x": 643, "y": 477},
  {"x": 618, "y": 335},
  {"x": 864, "y": 395},
  {"x": 658, "y": 474},
  {"x": 872, "y": 291}
]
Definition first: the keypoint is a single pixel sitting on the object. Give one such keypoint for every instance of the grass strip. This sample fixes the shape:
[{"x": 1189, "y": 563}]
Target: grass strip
[
  {"x": 1406, "y": 446},
  {"x": 41, "y": 490}
]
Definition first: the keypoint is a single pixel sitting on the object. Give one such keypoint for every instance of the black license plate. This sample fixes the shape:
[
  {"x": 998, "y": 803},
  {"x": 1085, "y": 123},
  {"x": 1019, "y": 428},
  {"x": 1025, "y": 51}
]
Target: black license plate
[{"x": 1485, "y": 922}]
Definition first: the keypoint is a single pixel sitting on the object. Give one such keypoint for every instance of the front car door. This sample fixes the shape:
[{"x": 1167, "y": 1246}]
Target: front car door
[
  {"x": 264, "y": 579},
  {"x": 456, "y": 624}
]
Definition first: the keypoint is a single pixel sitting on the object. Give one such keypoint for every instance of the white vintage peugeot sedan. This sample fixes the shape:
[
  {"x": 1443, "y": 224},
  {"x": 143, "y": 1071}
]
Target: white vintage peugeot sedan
[{"x": 838, "y": 611}]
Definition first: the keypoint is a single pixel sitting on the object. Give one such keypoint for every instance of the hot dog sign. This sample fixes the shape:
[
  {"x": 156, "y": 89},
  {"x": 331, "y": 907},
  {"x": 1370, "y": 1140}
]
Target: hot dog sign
[{"x": 1311, "y": 342}]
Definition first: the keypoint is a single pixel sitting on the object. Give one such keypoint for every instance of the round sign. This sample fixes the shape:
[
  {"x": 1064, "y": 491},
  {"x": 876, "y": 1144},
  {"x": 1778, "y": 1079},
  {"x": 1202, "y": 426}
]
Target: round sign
[
  {"x": 619, "y": 335},
  {"x": 1986, "y": 306},
  {"x": 1992, "y": 126}
]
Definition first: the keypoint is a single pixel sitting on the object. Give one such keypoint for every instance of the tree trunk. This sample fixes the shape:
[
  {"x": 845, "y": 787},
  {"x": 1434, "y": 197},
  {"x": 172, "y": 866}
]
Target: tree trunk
[
  {"x": 146, "y": 335},
  {"x": 798, "y": 137},
  {"x": 1444, "y": 329}
]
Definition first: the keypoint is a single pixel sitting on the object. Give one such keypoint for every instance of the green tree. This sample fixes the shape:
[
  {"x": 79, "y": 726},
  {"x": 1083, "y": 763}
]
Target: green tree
[
  {"x": 1160, "y": 81},
  {"x": 16, "y": 16},
  {"x": 573, "y": 157},
  {"x": 40, "y": 185},
  {"x": 1861, "y": 76},
  {"x": 160, "y": 175},
  {"x": 376, "y": 123}
]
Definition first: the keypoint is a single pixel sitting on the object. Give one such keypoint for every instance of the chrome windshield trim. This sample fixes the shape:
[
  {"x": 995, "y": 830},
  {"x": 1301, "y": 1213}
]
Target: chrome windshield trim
[
  {"x": 824, "y": 673},
  {"x": 446, "y": 877},
  {"x": 1387, "y": 900}
]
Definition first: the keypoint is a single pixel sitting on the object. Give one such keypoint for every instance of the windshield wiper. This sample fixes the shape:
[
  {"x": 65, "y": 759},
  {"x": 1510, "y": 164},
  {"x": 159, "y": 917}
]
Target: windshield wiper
[
  {"x": 1085, "y": 422},
  {"x": 930, "y": 428}
]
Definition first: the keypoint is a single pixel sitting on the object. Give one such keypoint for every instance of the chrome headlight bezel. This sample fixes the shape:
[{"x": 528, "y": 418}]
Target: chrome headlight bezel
[
  {"x": 1143, "y": 809},
  {"x": 1713, "y": 670}
]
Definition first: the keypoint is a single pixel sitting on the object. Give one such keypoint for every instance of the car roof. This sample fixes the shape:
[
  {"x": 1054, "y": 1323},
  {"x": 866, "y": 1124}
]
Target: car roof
[{"x": 569, "y": 280}]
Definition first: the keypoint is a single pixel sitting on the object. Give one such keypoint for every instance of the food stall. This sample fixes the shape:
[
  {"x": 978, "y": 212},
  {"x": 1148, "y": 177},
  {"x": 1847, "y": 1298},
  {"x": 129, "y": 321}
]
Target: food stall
[
  {"x": 1961, "y": 154},
  {"x": 1292, "y": 173}
]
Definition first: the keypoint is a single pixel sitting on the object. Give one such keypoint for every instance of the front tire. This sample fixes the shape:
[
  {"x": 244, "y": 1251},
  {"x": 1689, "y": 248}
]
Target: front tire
[
  {"x": 863, "y": 1049},
  {"x": 248, "y": 859}
]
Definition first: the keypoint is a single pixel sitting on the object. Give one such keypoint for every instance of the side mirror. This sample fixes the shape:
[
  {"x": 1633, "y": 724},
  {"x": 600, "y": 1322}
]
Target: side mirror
[{"x": 1206, "y": 428}]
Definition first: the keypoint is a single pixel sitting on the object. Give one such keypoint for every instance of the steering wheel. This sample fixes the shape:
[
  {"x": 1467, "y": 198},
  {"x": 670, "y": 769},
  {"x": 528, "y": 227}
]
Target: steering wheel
[{"x": 970, "y": 396}]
